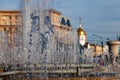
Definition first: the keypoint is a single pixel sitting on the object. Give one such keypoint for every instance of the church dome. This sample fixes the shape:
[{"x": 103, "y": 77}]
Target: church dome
[{"x": 80, "y": 31}]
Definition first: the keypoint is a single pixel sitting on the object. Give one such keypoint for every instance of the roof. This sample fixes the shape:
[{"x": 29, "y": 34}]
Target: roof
[
  {"x": 55, "y": 11},
  {"x": 80, "y": 30},
  {"x": 10, "y": 11}
]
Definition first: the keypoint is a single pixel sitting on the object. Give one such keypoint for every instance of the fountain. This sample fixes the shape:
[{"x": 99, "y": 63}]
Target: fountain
[
  {"x": 3, "y": 49},
  {"x": 43, "y": 44},
  {"x": 41, "y": 38}
]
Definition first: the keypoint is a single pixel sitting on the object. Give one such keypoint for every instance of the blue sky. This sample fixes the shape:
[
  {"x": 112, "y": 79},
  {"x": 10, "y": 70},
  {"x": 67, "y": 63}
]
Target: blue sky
[
  {"x": 101, "y": 17},
  {"x": 9, "y": 4}
]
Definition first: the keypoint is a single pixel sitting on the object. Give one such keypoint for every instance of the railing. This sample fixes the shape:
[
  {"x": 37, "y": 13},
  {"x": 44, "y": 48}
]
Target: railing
[{"x": 71, "y": 69}]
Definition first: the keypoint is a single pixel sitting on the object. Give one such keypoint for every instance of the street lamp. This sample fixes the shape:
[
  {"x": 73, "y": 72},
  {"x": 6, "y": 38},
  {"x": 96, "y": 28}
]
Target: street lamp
[{"x": 101, "y": 40}]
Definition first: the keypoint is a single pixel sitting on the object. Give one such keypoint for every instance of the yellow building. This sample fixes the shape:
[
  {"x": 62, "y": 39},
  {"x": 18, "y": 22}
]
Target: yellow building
[
  {"x": 97, "y": 49},
  {"x": 10, "y": 22},
  {"x": 61, "y": 26}
]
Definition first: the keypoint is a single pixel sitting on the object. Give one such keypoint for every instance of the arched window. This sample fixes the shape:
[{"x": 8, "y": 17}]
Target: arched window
[
  {"x": 68, "y": 22},
  {"x": 63, "y": 21}
]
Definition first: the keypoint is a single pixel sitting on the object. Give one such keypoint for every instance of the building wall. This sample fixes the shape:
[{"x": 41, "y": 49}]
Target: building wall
[
  {"x": 64, "y": 37},
  {"x": 98, "y": 50},
  {"x": 63, "y": 31},
  {"x": 10, "y": 22}
]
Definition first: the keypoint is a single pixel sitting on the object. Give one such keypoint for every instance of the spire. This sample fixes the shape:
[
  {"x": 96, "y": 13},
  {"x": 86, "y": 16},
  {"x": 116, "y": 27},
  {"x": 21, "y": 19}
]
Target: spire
[
  {"x": 80, "y": 31},
  {"x": 80, "y": 22}
]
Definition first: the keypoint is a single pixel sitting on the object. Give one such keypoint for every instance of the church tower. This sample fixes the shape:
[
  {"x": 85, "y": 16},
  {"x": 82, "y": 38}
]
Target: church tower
[{"x": 82, "y": 36}]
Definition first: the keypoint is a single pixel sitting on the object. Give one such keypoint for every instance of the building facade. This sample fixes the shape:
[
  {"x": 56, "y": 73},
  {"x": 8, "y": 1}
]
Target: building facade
[
  {"x": 65, "y": 37},
  {"x": 62, "y": 26},
  {"x": 10, "y": 23},
  {"x": 59, "y": 37}
]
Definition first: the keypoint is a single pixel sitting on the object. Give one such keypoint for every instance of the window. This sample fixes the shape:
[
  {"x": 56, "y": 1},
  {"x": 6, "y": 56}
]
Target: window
[
  {"x": 63, "y": 21},
  {"x": 4, "y": 20},
  {"x": 16, "y": 28},
  {"x": 68, "y": 23},
  {"x": 10, "y": 17},
  {"x": 10, "y": 23},
  {"x": 16, "y": 17},
  {"x": 16, "y": 23},
  {"x": 10, "y": 28},
  {"x": 4, "y": 29}
]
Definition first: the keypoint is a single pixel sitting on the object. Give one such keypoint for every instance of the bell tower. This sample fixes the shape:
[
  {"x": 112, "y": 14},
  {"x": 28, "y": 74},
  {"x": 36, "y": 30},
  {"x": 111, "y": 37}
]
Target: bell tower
[{"x": 82, "y": 36}]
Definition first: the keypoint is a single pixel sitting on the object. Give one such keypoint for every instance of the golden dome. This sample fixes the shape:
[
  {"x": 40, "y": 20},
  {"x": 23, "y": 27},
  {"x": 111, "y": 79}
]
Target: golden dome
[{"x": 80, "y": 31}]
